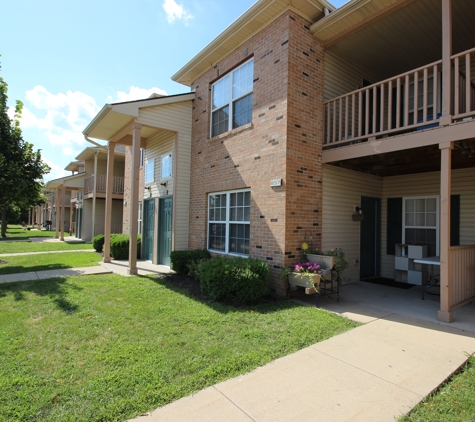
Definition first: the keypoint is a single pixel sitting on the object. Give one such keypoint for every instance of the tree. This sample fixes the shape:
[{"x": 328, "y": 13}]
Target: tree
[{"x": 21, "y": 168}]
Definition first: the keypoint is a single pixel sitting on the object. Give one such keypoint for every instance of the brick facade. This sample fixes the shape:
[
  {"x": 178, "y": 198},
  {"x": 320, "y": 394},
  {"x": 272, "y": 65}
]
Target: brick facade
[{"x": 284, "y": 141}]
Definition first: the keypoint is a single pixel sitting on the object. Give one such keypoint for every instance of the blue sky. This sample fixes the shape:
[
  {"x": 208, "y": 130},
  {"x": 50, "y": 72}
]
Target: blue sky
[{"x": 65, "y": 59}]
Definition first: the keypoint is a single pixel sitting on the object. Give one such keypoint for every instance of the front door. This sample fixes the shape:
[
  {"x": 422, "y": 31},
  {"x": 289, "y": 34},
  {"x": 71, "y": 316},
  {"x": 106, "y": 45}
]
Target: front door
[
  {"x": 165, "y": 231},
  {"x": 370, "y": 235},
  {"x": 148, "y": 226}
]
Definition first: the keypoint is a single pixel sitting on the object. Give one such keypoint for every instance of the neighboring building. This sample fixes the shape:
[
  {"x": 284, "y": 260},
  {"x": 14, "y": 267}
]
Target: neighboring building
[
  {"x": 84, "y": 202},
  {"x": 301, "y": 118}
]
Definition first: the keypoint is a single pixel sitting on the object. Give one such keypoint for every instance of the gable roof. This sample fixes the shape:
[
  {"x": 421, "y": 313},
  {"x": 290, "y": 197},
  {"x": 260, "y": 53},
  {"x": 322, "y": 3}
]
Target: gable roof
[{"x": 259, "y": 15}]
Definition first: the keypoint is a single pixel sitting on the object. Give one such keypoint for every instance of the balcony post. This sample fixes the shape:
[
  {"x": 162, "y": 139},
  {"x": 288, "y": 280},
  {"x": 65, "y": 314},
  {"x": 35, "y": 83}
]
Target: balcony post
[
  {"x": 445, "y": 313},
  {"x": 38, "y": 217},
  {"x": 57, "y": 210},
  {"x": 62, "y": 206},
  {"x": 108, "y": 216},
  {"x": 446, "y": 118},
  {"x": 94, "y": 189},
  {"x": 134, "y": 198}
]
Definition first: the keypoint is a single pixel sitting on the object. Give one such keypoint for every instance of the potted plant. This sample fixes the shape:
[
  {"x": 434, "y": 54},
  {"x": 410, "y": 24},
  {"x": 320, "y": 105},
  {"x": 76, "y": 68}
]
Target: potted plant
[
  {"x": 304, "y": 274},
  {"x": 332, "y": 259}
]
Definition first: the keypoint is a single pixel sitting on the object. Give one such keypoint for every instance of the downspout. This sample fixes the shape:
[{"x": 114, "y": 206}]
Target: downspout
[{"x": 95, "y": 143}]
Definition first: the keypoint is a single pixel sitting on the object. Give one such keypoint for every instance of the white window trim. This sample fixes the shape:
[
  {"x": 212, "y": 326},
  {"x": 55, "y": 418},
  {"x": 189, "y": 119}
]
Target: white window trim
[
  {"x": 227, "y": 222},
  {"x": 140, "y": 218},
  {"x": 170, "y": 154},
  {"x": 437, "y": 220},
  {"x": 231, "y": 99},
  {"x": 151, "y": 162}
]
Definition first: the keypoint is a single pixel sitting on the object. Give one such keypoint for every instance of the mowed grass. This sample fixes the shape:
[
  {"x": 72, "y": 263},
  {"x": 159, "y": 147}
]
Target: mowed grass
[
  {"x": 452, "y": 402},
  {"x": 16, "y": 232},
  {"x": 108, "y": 348},
  {"x": 18, "y": 247},
  {"x": 47, "y": 261}
]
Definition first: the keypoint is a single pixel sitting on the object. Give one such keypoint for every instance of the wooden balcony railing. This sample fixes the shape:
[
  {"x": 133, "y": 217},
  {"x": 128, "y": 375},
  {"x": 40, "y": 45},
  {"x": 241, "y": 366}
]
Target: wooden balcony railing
[
  {"x": 408, "y": 102},
  {"x": 462, "y": 275},
  {"x": 117, "y": 184}
]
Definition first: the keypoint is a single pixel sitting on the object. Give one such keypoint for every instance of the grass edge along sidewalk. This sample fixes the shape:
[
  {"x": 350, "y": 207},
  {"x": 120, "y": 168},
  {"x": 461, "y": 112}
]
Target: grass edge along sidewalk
[
  {"x": 47, "y": 261},
  {"x": 110, "y": 348}
]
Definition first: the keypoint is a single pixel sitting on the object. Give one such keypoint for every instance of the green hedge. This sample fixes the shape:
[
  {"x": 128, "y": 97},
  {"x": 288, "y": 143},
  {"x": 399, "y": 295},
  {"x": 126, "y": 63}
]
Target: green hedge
[
  {"x": 188, "y": 262},
  {"x": 238, "y": 279},
  {"x": 98, "y": 242},
  {"x": 120, "y": 246}
]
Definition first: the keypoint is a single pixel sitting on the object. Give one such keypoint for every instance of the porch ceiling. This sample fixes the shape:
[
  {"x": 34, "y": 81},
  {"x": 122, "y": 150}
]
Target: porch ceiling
[
  {"x": 417, "y": 160},
  {"x": 408, "y": 37}
]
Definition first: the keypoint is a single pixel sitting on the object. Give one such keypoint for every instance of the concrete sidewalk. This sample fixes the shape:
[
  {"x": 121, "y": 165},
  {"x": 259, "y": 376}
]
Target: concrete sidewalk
[
  {"x": 42, "y": 252},
  {"x": 376, "y": 372},
  {"x": 42, "y": 275}
]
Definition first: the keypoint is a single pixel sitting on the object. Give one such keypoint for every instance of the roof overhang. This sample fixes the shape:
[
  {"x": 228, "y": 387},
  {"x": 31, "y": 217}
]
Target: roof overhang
[
  {"x": 118, "y": 117},
  {"x": 259, "y": 15},
  {"x": 74, "y": 165},
  {"x": 73, "y": 182}
]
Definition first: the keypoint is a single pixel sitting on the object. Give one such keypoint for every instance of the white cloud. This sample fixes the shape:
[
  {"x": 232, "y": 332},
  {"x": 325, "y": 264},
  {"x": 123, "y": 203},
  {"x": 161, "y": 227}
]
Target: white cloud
[
  {"x": 56, "y": 172},
  {"x": 62, "y": 117},
  {"x": 135, "y": 93},
  {"x": 176, "y": 11}
]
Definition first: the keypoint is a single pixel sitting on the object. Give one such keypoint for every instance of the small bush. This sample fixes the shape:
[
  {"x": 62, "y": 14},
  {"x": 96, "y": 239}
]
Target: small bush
[
  {"x": 188, "y": 262},
  {"x": 237, "y": 279},
  {"x": 98, "y": 242},
  {"x": 120, "y": 246}
]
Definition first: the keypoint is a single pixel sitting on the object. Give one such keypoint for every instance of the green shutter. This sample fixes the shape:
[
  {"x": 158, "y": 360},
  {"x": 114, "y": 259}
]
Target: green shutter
[
  {"x": 455, "y": 220},
  {"x": 394, "y": 224}
]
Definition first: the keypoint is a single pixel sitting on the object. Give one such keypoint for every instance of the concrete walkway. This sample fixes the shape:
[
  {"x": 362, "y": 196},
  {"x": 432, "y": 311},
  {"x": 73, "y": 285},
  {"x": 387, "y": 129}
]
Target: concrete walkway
[
  {"x": 42, "y": 252},
  {"x": 376, "y": 372},
  {"x": 42, "y": 275}
]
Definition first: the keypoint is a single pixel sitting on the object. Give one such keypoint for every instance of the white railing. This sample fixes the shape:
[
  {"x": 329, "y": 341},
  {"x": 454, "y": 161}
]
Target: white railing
[
  {"x": 463, "y": 103},
  {"x": 394, "y": 105},
  {"x": 117, "y": 184}
]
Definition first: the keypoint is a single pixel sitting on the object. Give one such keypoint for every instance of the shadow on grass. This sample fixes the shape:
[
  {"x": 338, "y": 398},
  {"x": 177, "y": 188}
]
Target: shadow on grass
[
  {"x": 55, "y": 288},
  {"x": 19, "y": 269},
  {"x": 190, "y": 288}
]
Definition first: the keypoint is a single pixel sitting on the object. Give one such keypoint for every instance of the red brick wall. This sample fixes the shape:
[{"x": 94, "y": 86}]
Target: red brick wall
[{"x": 282, "y": 142}]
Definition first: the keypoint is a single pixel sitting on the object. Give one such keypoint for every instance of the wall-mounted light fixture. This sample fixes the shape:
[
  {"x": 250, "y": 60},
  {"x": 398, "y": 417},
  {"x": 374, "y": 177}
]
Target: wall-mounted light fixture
[
  {"x": 164, "y": 184},
  {"x": 358, "y": 214}
]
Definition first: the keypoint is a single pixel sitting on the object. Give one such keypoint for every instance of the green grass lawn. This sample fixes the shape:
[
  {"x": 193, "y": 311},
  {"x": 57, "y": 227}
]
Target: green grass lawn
[
  {"x": 16, "y": 232},
  {"x": 48, "y": 261},
  {"x": 452, "y": 402},
  {"x": 17, "y": 247},
  {"x": 108, "y": 348}
]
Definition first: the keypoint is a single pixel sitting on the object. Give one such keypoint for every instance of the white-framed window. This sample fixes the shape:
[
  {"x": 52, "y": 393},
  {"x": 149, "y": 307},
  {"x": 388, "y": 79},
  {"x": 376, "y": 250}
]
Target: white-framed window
[
  {"x": 421, "y": 222},
  {"x": 150, "y": 171},
  {"x": 431, "y": 115},
  {"x": 140, "y": 214},
  {"x": 167, "y": 166},
  {"x": 229, "y": 215},
  {"x": 142, "y": 155},
  {"x": 231, "y": 103}
]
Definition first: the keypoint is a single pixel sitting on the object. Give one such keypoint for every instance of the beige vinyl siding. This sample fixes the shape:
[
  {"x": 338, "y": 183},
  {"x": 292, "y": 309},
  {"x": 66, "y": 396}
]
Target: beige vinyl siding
[
  {"x": 176, "y": 139},
  {"x": 428, "y": 184},
  {"x": 342, "y": 191}
]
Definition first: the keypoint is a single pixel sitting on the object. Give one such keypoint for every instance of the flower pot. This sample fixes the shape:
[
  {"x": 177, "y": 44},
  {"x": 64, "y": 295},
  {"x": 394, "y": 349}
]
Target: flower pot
[
  {"x": 325, "y": 261},
  {"x": 309, "y": 281}
]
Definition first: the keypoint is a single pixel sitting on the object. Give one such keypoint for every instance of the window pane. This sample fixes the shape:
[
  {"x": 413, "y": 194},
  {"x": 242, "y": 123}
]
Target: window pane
[
  {"x": 243, "y": 79},
  {"x": 217, "y": 237},
  {"x": 431, "y": 219},
  {"x": 420, "y": 219},
  {"x": 247, "y": 198},
  {"x": 410, "y": 204},
  {"x": 220, "y": 121},
  {"x": 242, "y": 111},
  {"x": 239, "y": 239},
  {"x": 149, "y": 170},
  {"x": 166, "y": 166},
  {"x": 431, "y": 205},
  {"x": 221, "y": 93},
  {"x": 409, "y": 219},
  {"x": 420, "y": 205}
]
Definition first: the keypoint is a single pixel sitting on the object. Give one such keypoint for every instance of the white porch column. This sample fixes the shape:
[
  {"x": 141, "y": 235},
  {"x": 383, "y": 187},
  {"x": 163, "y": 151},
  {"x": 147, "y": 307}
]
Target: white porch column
[
  {"x": 134, "y": 199},
  {"x": 38, "y": 217},
  {"x": 446, "y": 118},
  {"x": 94, "y": 192},
  {"x": 57, "y": 209},
  {"x": 108, "y": 212},
  {"x": 445, "y": 314},
  {"x": 63, "y": 198}
]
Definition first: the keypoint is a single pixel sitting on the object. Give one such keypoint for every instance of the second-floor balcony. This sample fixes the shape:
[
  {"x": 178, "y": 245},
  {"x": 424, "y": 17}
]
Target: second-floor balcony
[
  {"x": 409, "y": 102},
  {"x": 101, "y": 185}
]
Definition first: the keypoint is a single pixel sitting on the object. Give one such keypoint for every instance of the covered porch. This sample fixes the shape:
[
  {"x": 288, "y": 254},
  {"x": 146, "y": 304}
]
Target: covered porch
[{"x": 148, "y": 128}]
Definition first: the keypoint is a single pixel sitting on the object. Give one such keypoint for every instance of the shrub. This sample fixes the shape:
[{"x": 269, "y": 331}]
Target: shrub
[
  {"x": 188, "y": 262},
  {"x": 120, "y": 246},
  {"x": 98, "y": 242},
  {"x": 237, "y": 279}
]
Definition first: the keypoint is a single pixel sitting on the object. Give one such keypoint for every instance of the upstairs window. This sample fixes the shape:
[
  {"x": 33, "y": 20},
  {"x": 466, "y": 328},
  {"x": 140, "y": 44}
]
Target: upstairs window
[
  {"x": 166, "y": 166},
  {"x": 232, "y": 100},
  {"x": 149, "y": 171}
]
